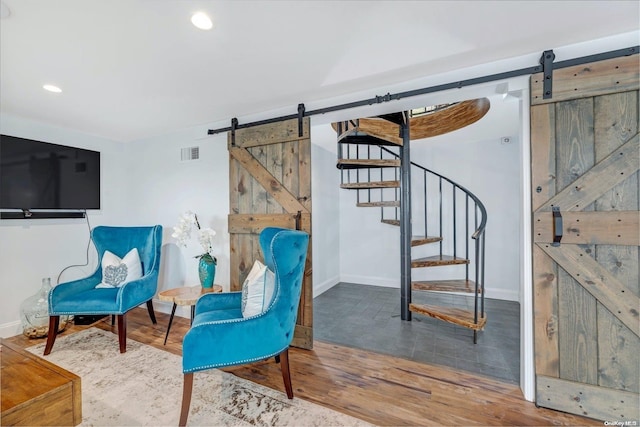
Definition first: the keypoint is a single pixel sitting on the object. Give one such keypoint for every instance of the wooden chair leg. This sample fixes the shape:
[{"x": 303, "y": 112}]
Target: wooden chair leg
[
  {"x": 113, "y": 319},
  {"x": 122, "y": 332},
  {"x": 54, "y": 322},
  {"x": 286, "y": 376},
  {"x": 187, "y": 388},
  {"x": 152, "y": 313}
]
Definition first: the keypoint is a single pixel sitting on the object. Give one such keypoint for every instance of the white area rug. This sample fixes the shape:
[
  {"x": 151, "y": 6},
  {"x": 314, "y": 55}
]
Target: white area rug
[{"x": 144, "y": 387}]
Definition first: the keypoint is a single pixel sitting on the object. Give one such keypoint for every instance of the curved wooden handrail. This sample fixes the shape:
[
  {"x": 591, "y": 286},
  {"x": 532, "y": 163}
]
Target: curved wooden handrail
[
  {"x": 449, "y": 119},
  {"x": 428, "y": 125}
]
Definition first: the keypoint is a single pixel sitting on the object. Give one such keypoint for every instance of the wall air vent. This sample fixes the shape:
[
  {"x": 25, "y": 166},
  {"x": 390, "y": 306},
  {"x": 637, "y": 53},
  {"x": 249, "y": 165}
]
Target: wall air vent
[{"x": 189, "y": 153}]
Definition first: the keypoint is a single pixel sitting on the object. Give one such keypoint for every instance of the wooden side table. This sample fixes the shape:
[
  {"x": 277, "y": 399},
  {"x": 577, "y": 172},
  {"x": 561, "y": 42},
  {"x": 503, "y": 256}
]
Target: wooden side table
[{"x": 185, "y": 295}]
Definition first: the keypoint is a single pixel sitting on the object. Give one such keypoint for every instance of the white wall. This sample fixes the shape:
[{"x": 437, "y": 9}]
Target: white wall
[
  {"x": 325, "y": 188},
  {"x": 143, "y": 183},
  {"x": 477, "y": 159},
  {"x": 166, "y": 187},
  {"x": 33, "y": 249},
  {"x": 163, "y": 187}
]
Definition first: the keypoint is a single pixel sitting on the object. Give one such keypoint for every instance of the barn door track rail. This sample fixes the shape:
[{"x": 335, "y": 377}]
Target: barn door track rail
[{"x": 546, "y": 66}]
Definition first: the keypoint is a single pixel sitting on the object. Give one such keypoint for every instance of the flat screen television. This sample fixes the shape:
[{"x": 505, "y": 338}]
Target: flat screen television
[{"x": 41, "y": 175}]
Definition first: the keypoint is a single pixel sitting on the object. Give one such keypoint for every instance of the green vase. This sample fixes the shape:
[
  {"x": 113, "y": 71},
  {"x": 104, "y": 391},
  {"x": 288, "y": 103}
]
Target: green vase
[{"x": 206, "y": 271}]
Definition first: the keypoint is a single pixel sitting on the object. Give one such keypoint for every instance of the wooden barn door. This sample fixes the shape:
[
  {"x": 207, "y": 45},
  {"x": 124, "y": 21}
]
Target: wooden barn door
[
  {"x": 585, "y": 158},
  {"x": 270, "y": 185}
]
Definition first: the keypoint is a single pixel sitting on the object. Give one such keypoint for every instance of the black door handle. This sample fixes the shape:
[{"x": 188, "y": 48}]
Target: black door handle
[{"x": 557, "y": 226}]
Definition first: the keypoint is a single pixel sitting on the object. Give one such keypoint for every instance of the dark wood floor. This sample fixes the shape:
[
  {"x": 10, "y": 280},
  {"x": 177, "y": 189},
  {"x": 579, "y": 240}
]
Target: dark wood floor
[{"x": 380, "y": 389}]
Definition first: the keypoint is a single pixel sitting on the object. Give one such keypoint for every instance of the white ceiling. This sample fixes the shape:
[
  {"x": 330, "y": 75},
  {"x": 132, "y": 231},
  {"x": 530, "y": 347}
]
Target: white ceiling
[{"x": 130, "y": 69}]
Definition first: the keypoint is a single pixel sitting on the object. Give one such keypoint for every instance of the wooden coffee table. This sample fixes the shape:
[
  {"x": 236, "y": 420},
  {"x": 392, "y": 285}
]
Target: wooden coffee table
[
  {"x": 185, "y": 295},
  {"x": 35, "y": 392}
]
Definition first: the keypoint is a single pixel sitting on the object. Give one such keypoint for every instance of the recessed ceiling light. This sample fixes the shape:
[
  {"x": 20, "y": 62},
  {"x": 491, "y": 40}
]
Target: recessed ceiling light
[
  {"x": 202, "y": 21},
  {"x": 52, "y": 88}
]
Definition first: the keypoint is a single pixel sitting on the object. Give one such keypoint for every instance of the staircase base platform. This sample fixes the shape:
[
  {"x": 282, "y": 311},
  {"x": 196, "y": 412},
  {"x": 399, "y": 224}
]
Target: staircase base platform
[
  {"x": 468, "y": 286},
  {"x": 454, "y": 315}
]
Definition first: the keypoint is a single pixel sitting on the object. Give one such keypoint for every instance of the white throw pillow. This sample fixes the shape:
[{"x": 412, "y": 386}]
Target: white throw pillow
[
  {"x": 257, "y": 290},
  {"x": 116, "y": 272}
]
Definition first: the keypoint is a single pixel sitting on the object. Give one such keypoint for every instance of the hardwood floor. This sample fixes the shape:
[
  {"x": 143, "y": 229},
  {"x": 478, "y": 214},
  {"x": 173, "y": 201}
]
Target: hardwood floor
[{"x": 380, "y": 389}]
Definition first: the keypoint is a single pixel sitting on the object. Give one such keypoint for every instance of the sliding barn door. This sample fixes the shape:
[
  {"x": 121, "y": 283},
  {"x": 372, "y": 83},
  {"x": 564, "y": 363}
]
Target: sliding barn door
[
  {"x": 270, "y": 185},
  {"x": 585, "y": 158}
]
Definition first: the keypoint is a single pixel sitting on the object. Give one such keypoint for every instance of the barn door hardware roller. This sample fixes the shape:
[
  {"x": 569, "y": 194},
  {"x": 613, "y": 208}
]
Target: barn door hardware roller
[
  {"x": 300, "y": 117},
  {"x": 234, "y": 126},
  {"x": 547, "y": 70},
  {"x": 557, "y": 226},
  {"x": 298, "y": 219}
]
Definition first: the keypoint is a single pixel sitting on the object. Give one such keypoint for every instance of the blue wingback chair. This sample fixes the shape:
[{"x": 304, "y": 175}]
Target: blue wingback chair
[
  {"x": 81, "y": 296},
  {"x": 220, "y": 336}
]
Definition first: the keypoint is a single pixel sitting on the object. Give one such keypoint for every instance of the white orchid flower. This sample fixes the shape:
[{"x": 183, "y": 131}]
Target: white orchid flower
[{"x": 182, "y": 233}]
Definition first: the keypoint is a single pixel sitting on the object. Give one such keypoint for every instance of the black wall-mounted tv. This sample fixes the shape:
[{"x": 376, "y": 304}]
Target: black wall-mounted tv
[{"x": 41, "y": 175}]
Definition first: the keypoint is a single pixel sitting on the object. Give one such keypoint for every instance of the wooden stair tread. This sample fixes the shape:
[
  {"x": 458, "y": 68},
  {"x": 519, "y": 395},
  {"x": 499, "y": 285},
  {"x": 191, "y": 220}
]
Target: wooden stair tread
[
  {"x": 379, "y": 128},
  {"x": 371, "y": 184},
  {"x": 468, "y": 286},
  {"x": 353, "y": 130},
  {"x": 424, "y": 240},
  {"x": 390, "y": 203},
  {"x": 367, "y": 163},
  {"x": 355, "y": 137},
  {"x": 397, "y": 118},
  {"x": 438, "y": 260},
  {"x": 454, "y": 315},
  {"x": 390, "y": 221}
]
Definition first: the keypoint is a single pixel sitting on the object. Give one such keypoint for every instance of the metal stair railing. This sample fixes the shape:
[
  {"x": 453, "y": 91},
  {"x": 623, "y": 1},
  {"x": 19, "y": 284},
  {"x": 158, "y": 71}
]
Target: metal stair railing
[
  {"x": 473, "y": 206},
  {"x": 350, "y": 151},
  {"x": 448, "y": 194}
]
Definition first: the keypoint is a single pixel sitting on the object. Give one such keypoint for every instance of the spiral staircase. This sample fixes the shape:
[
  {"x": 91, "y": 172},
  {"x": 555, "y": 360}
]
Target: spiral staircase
[{"x": 444, "y": 218}]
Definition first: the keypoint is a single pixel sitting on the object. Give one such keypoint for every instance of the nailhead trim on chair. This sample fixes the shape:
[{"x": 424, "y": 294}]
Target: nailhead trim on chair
[
  {"x": 218, "y": 322},
  {"x": 239, "y": 362},
  {"x": 95, "y": 312}
]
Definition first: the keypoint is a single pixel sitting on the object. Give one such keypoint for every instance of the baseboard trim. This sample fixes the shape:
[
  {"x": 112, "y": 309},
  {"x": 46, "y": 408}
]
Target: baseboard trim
[
  {"x": 10, "y": 329},
  {"x": 368, "y": 280},
  {"x": 319, "y": 289},
  {"x": 503, "y": 294}
]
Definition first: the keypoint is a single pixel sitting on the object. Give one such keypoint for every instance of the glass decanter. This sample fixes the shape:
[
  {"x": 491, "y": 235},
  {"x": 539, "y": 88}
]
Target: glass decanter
[{"x": 34, "y": 313}]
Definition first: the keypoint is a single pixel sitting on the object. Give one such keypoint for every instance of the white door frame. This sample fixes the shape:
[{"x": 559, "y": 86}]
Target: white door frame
[{"x": 527, "y": 351}]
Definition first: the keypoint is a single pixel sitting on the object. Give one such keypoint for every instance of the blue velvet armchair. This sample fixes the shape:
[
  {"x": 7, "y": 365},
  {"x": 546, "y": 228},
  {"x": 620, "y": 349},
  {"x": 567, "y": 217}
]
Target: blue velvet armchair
[
  {"x": 220, "y": 336},
  {"x": 81, "y": 296}
]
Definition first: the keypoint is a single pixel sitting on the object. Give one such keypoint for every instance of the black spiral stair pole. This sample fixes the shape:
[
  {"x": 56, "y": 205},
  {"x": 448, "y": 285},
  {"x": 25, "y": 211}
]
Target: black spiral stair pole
[{"x": 405, "y": 220}]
